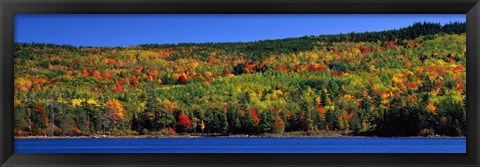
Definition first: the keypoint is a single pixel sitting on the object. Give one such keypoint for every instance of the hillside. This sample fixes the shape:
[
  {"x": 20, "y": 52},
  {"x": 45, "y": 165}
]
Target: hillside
[{"x": 405, "y": 82}]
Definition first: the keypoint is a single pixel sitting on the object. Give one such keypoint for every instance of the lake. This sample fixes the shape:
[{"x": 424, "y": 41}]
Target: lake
[{"x": 242, "y": 145}]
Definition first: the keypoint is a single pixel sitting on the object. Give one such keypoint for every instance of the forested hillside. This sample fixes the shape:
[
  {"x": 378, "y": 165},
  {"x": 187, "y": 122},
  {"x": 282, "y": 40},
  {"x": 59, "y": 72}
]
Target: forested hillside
[{"x": 405, "y": 82}]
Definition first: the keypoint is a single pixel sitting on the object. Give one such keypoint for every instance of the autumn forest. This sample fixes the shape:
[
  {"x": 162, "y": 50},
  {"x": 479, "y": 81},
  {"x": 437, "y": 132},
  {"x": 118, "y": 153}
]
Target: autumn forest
[{"x": 403, "y": 82}]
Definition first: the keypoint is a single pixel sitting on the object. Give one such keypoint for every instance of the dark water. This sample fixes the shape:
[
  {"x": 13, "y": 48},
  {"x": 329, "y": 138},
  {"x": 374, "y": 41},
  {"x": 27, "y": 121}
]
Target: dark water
[{"x": 243, "y": 145}]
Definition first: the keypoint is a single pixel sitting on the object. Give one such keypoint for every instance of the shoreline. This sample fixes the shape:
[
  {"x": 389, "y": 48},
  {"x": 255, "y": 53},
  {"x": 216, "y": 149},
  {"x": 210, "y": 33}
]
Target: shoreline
[{"x": 225, "y": 136}]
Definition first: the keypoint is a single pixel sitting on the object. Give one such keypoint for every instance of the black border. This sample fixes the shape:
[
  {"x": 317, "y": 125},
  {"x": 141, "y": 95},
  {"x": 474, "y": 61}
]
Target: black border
[{"x": 9, "y": 8}]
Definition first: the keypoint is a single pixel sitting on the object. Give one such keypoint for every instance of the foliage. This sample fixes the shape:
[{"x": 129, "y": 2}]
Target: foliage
[{"x": 404, "y": 82}]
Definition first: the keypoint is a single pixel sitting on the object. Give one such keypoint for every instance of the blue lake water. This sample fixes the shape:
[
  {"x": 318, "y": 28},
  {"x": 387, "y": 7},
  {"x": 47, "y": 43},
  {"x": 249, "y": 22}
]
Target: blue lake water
[{"x": 243, "y": 145}]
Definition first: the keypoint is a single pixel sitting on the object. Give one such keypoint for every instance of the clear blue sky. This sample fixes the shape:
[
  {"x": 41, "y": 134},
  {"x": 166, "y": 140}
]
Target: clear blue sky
[{"x": 122, "y": 30}]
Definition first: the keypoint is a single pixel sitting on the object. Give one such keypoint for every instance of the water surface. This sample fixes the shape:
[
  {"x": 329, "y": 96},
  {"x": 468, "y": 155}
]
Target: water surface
[{"x": 243, "y": 145}]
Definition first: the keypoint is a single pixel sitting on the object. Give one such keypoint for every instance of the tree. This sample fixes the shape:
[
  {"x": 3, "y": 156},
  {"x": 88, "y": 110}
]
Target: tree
[
  {"x": 233, "y": 120},
  {"x": 267, "y": 121},
  {"x": 182, "y": 80},
  {"x": 279, "y": 124},
  {"x": 115, "y": 111},
  {"x": 202, "y": 126},
  {"x": 184, "y": 122}
]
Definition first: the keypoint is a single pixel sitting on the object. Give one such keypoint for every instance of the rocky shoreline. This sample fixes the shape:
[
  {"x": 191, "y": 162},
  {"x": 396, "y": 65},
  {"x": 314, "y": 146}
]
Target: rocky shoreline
[{"x": 226, "y": 136}]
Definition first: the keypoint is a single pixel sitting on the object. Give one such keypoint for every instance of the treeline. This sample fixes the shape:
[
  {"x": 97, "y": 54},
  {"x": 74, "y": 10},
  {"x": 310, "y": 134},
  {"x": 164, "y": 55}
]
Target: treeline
[
  {"x": 400, "y": 87},
  {"x": 265, "y": 48}
]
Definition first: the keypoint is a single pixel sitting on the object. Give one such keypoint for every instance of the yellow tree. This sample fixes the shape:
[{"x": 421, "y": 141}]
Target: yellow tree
[
  {"x": 202, "y": 126},
  {"x": 432, "y": 109},
  {"x": 115, "y": 110}
]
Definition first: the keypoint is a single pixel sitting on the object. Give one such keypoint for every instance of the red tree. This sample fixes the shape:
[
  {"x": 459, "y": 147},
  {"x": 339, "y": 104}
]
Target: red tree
[
  {"x": 85, "y": 73},
  {"x": 182, "y": 79},
  {"x": 185, "y": 121},
  {"x": 255, "y": 117},
  {"x": 412, "y": 85},
  {"x": 133, "y": 82},
  {"x": 279, "y": 122},
  {"x": 461, "y": 86},
  {"x": 364, "y": 49},
  {"x": 42, "y": 112},
  {"x": 118, "y": 88},
  {"x": 321, "y": 110},
  {"x": 71, "y": 68},
  {"x": 439, "y": 84},
  {"x": 107, "y": 74}
]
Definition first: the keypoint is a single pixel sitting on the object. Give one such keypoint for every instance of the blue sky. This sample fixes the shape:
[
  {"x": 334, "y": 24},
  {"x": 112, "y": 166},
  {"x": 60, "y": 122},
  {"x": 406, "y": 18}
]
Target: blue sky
[{"x": 123, "y": 30}]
